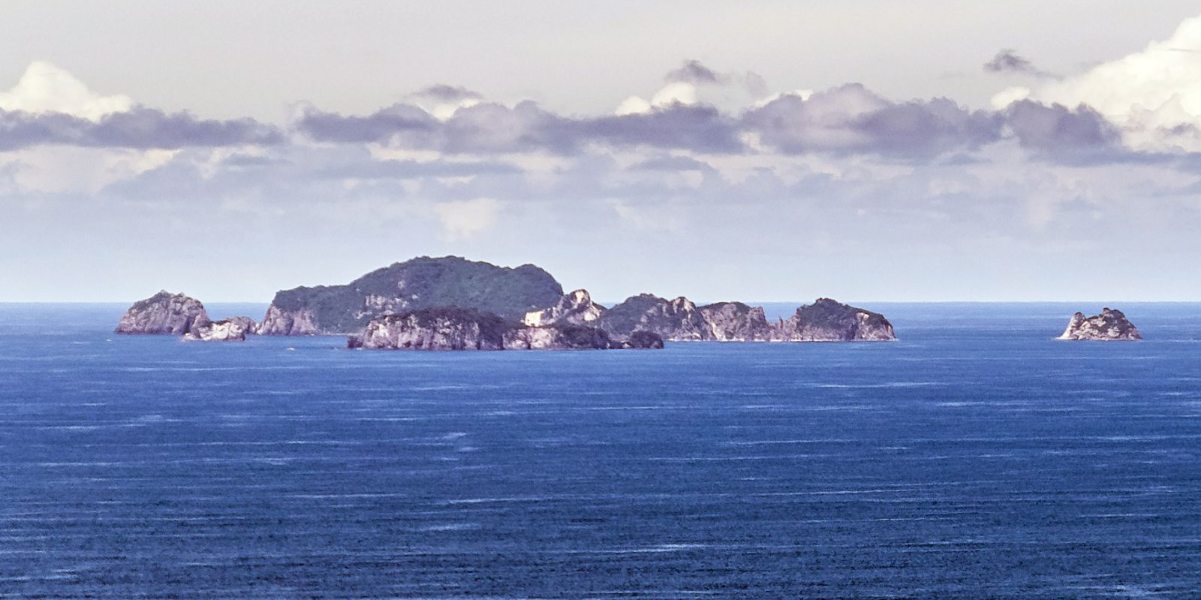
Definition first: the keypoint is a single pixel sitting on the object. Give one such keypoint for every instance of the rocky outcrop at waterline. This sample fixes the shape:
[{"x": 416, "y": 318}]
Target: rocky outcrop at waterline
[
  {"x": 452, "y": 328},
  {"x": 178, "y": 314},
  {"x": 677, "y": 319},
  {"x": 163, "y": 314},
  {"x": 828, "y": 320},
  {"x": 681, "y": 319},
  {"x": 736, "y": 322},
  {"x": 1109, "y": 326},
  {"x": 225, "y": 330}
]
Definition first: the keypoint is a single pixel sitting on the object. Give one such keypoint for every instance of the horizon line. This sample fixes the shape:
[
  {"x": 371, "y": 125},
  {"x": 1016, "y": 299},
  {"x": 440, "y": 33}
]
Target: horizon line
[{"x": 698, "y": 302}]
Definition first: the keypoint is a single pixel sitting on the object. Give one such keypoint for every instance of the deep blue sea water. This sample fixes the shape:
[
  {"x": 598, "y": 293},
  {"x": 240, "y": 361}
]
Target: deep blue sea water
[{"x": 976, "y": 457}]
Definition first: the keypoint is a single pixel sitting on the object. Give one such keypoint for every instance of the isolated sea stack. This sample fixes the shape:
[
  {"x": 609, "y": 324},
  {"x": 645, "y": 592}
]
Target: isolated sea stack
[
  {"x": 1109, "y": 326},
  {"x": 177, "y": 314},
  {"x": 453, "y": 328},
  {"x": 163, "y": 314},
  {"x": 403, "y": 287}
]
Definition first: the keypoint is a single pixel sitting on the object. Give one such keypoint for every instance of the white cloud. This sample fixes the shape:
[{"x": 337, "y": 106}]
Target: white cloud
[
  {"x": 446, "y": 109},
  {"x": 728, "y": 91},
  {"x": 633, "y": 106},
  {"x": 1147, "y": 93},
  {"x": 51, "y": 169},
  {"x": 677, "y": 92},
  {"x": 1008, "y": 96},
  {"x": 46, "y": 88},
  {"x": 465, "y": 218}
]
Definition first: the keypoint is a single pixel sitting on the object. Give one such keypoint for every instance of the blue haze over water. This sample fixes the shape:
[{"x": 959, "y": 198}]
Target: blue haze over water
[{"x": 976, "y": 457}]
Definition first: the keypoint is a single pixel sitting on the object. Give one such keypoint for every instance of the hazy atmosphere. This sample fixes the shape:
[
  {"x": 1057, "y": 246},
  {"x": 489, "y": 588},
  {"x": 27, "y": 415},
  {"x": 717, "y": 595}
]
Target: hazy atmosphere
[{"x": 772, "y": 152}]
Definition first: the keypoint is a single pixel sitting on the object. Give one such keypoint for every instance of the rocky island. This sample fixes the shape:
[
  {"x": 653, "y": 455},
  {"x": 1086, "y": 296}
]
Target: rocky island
[
  {"x": 163, "y": 314},
  {"x": 1111, "y": 325},
  {"x": 453, "y": 328},
  {"x": 178, "y": 314},
  {"x": 453, "y": 303}
]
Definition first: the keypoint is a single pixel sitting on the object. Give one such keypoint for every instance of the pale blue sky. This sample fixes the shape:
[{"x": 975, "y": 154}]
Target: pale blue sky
[{"x": 870, "y": 150}]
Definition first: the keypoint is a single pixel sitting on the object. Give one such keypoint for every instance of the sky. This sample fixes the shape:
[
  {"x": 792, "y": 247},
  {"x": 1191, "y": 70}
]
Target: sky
[{"x": 870, "y": 150}]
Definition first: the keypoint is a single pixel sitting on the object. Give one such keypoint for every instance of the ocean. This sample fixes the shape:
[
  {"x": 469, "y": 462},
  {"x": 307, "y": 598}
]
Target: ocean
[{"x": 977, "y": 457}]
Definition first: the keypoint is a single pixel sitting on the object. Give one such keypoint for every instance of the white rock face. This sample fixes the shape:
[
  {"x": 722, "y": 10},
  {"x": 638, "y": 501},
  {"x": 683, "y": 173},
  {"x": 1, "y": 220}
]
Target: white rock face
[
  {"x": 464, "y": 329},
  {"x": 228, "y": 330},
  {"x": 446, "y": 329},
  {"x": 1109, "y": 326},
  {"x": 575, "y": 308}
]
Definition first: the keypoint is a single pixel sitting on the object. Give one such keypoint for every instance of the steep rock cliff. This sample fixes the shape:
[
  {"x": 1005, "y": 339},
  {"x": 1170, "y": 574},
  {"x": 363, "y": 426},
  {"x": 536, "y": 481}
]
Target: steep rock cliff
[
  {"x": 677, "y": 319},
  {"x": 163, "y": 314},
  {"x": 828, "y": 320},
  {"x": 736, "y": 322}
]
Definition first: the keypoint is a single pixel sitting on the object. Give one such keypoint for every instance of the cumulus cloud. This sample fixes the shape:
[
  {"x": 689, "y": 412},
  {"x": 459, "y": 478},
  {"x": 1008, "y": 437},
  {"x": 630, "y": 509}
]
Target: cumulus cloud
[
  {"x": 49, "y": 106},
  {"x": 1153, "y": 95},
  {"x": 693, "y": 83},
  {"x": 845, "y": 120},
  {"x": 490, "y": 128},
  {"x": 852, "y": 119},
  {"x": 674, "y": 93},
  {"x": 1056, "y": 130},
  {"x": 46, "y": 88},
  {"x": 1097, "y": 115},
  {"x": 139, "y": 128},
  {"x": 443, "y": 100}
]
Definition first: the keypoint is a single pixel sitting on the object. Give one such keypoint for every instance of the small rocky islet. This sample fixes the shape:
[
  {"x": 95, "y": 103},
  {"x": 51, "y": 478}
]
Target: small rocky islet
[
  {"x": 1109, "y": 326},
  {"x": 451, "y": 303},
  {"x": 178, "y": 314}
]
